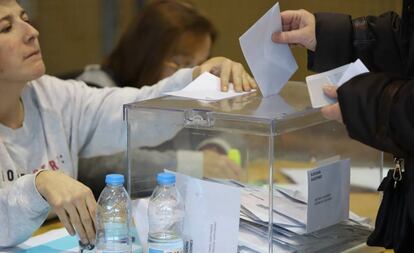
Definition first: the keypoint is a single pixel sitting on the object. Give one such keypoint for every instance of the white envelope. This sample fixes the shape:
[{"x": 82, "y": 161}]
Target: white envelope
[
  {"x": 336, "y": 77},
  {"x": 212, "y": 212},
  {"x": 328, "y": 195},
  {"x": 272, "y": 64}
]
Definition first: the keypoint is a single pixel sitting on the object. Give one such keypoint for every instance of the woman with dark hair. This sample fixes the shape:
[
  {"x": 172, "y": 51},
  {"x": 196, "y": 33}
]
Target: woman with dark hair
[{"x": 165, "y": 36}]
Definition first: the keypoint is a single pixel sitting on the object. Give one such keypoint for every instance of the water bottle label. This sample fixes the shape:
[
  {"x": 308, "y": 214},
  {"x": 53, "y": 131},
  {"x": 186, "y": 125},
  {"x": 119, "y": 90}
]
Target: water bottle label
[
  {"x": 150, "y": 250},
  {"x": 116, "y": 232},
  {"x": 110, "y": 251},
  {"x": 170, "y": 247}
]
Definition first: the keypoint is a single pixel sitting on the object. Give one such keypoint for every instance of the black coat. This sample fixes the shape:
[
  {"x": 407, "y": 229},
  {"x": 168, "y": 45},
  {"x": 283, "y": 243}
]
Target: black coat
[{"x": 377, "y": 107}]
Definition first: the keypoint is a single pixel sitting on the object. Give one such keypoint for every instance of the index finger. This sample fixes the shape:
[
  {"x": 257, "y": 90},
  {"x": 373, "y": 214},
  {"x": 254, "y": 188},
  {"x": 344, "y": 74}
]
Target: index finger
[
  {"x": 91, "y": 205},
  {"x": 225, "y": 75}
]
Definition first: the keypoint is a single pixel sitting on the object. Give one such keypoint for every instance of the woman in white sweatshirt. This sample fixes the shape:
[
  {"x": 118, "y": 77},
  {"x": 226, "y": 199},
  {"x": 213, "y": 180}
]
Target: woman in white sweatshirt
[{"x": 46, "y": 124}]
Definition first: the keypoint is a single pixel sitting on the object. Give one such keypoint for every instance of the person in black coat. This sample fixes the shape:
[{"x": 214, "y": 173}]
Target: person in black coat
[{"x": 376, "y": 107}]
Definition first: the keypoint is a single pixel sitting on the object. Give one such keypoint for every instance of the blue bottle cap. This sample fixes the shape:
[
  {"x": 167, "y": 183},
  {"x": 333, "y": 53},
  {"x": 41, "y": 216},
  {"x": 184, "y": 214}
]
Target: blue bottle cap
[
  {"x": 114, "y": 179},
  {"x": 165, "y": 178}
]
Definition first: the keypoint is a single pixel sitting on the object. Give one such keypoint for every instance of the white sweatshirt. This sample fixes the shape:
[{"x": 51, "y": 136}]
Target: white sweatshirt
[{"x": 64, "y": 120}]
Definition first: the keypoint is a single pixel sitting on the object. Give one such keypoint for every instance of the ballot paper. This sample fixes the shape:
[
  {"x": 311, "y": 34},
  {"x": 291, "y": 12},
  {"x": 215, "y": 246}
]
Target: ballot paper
[
  {"x": 327, "y": 201},
  {"x": 288, "y": 234},
  {"x": 272, "y": 64},
  {"x": 206, "y": 87},
  {"x": 328, "y": 195},
  {"x": 336, "y": 77},
  {"x": 364, "y": 178}
]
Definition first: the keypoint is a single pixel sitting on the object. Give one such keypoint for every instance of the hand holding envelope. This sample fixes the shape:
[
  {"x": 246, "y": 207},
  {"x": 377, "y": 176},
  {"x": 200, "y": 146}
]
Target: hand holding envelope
[{"x": 272, "y": 64}]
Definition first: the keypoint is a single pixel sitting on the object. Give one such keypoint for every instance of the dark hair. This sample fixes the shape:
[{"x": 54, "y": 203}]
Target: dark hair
[{"x": 138, "y": 58}]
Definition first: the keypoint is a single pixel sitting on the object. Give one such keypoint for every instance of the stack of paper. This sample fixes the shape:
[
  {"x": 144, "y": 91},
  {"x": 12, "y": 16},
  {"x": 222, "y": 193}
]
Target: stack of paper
[
  {"x": 314, "y": 218},
  {"x": 289, "y": 226}
]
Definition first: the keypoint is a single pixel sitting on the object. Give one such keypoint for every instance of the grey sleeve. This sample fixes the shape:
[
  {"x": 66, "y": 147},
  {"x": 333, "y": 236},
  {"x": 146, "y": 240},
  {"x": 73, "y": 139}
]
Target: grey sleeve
[{"x": 22, "y": 211}]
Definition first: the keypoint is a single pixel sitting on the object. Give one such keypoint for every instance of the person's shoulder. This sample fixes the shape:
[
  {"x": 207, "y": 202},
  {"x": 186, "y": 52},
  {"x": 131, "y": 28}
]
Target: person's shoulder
[
  {"x": 47, "y": 84},
  {"x": 51, "y": 91}
]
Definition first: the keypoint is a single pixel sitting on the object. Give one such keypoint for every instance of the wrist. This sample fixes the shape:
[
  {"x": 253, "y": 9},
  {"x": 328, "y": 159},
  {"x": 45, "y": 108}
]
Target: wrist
[{"x": 41, "y": 181}]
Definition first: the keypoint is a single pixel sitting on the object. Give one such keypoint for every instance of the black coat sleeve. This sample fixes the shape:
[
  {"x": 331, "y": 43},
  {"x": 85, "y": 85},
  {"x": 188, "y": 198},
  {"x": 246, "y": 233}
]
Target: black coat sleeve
[
  {"x": 377, "y": 41},
  {"x": 377, "y": 109}
]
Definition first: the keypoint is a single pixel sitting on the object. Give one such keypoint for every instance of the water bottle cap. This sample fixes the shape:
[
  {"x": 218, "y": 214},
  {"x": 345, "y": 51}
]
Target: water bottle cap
[
  {"x": 165, "y": 178},
  {"x": 114, "y": 179}
]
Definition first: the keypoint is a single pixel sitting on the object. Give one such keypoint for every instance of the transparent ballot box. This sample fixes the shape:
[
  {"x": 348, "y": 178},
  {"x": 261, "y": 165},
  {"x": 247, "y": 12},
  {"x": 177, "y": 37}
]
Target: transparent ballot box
[{"x": 290, "y": 164}]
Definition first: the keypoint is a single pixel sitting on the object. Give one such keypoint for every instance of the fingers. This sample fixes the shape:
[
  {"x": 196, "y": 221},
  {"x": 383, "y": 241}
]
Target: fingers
[
  {"x": 288, "y": 37},
  {"x": 63, "y": 217},
  {"x": 237, "y": 77},
  {"x": 226, "y": 69},
  {"x": 91, "y": 205},
  {"x": 252, "y": 82},
  {"x": 330, "y": 91},
  {"x": 77, "y": 223},
  {"x": 332, "y": 112},
  {"x": 86, "y": 220}
]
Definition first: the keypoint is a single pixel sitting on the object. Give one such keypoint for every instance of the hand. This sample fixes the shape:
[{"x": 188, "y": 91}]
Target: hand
[
  {"x": 331, "y": 111},
  {"x": 72, "y": 202},
  {"x": 219, "y": 166},
  {"x": 298, "y": 28},
  {"x": 228, "y": 71}
]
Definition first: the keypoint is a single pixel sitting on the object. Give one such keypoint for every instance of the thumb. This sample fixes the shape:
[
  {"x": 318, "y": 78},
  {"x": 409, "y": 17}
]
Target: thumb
[
  {"x": 330, "y": 91},
  {"x": 289, "y": 37}
]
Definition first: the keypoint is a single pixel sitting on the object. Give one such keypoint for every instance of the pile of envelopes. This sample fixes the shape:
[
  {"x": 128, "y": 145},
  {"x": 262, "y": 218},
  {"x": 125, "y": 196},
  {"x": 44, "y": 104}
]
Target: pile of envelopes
[{"x": 289, "y": 225}]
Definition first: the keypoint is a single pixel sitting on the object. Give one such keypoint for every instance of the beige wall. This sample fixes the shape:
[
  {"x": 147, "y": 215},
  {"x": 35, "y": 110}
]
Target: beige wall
[
  {"x": 233, "y": 17},
  {"x": 71, "y": 29}
]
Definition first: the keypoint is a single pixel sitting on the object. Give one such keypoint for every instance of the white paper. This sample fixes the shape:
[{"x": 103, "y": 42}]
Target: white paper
[
  {"x": 206, "y": 87},
  {"x": 316, "y": 83},
  {"x": 336, "y": 77},
  {"x": 361, "y": 177},
  {"x": 328, "y": 195},
  {"x": 286, "y": 212},
  {"x": 212, "y": 213},
  {"x": 272, "y": 64},
  {"x": 356, "y": 68}
]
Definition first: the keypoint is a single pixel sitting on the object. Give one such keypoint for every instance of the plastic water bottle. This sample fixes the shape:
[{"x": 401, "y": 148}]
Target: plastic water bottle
[
  {"x": 165, "y": 217},
  {"x": 113, "y": 217}
]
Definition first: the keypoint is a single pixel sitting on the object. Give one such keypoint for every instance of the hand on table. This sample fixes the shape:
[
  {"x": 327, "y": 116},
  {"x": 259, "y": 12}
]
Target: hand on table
[{"x": 72, "y": 202}]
